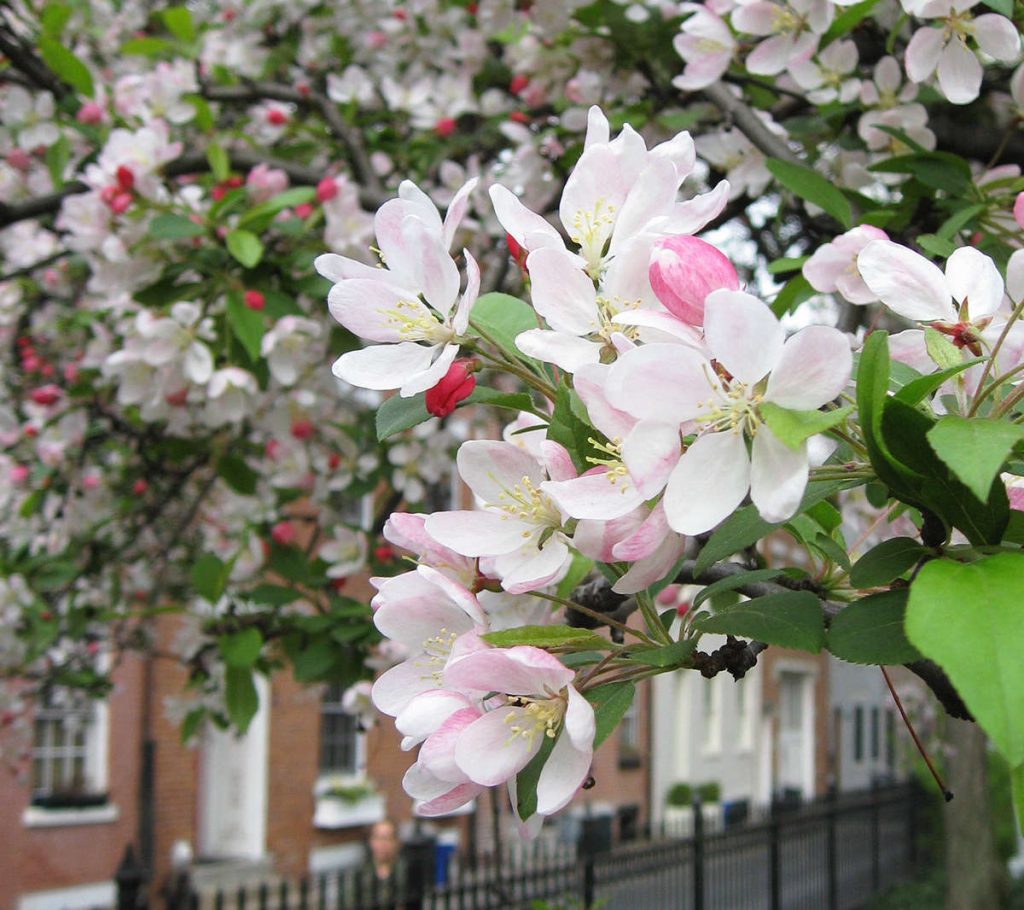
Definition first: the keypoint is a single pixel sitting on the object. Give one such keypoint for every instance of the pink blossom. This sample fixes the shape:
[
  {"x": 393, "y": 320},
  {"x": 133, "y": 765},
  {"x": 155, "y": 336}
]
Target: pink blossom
[
  {"x": 455, "y": 386},
  {"x": 833, "y": 267},
  {"x": 263, "y": 182},
  {"x": 684, "y": 270}
]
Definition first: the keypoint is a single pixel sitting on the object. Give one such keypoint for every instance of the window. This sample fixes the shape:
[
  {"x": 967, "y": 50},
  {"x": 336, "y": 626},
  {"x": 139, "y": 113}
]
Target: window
[
  {"x": 712, "y": 715},
  {"x": 875, "y": 735},
  {"x": 69, "y": 752},
  {"x": 858, "y": 733},
  {"x": 340, "y": 736},
  {"x": 629, "y": 737},
  {"x": 744, "y": 714}
]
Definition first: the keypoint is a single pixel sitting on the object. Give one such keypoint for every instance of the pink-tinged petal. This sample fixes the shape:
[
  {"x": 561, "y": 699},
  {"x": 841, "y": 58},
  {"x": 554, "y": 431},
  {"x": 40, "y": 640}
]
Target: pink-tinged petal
[
  {"x": 595, "y": 539},
  {"x": 923, "y": 52},
  {"x": 383, "y": 366},
  {"x": 684, "y": 270},
  {"x": 477, "y": 533},
  {"x": 670, "y": 325},
  {"x": 909, "y": 347},
  {"x": 460, "y": 322},
  {"x": 662, "y": 382},
  {"x": 432, "y": 375},
  {"x": 400, "y": 684},
  {"x": 340, "y": 268},
  {"x": 972, "y": 276},
  {"x": 457, "y": 210},
  {"x": 437, "y": 274},
  {"x": 645, "y": 572},
  {"x": 529, "y": 229},
  {"x": 454, "y": 799},
  {"x": 650, "y": 452},
  {"x": 566, "y": 351},
  {"x": 492, "y": 468},
  {"x": 411, "y": 608},
  {"x": 437, "y": 754},
  {"x": 771, "y": 56},
  {"x": 814, "y": 368},
  {"x": 590, "y": 383},
  {"x": 407, "y": 531},
  {"x": 562, "y": 293},
  {"x": 522, "y": 670},
  {"x": 652, "y": 196},
  {"x": 755, "y": 18},
  {"x": 680, "y": 150},
  {"x": 419, "y": 783},
  {"x": 579, "y": 722},
  {"x": 825, "y": 265},
  {"x": 907, "y": 283},
  {"x": 743, "y": 334},
  {"x": 528, "y": 569},
  {"x": 367, "y": 308},
  {"x": 599, "y": 495},
  {"x": 418, "y": 203},
  {"x": 709, "y": 482},
  {"x": 455, "y": 592},
  {"x": 1015, "y": 275},
  {"x": 645, "y": 539},
  {"x": 1018, "y": 205},
  {"x": 959, "y": 73},
  {"x": 429, "y": 712},
  {"x": 562, "y": 776},
  {"x": 598, "y": 128},
  {"x": 489, "y": 753},
  {"x": 778, "y": 477},
  {"x": 998, "y": 37},
  {"x": 557, "y": 460}
]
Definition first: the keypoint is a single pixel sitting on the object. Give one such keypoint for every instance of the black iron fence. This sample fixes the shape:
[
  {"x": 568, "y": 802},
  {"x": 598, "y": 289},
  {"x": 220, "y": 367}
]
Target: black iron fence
[{"x": 831, "y": 854}]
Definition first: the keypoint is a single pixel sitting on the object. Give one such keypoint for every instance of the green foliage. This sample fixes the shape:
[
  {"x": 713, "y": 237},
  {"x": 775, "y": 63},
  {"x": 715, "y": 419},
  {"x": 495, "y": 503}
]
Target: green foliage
[
  {"x": 870, "y": 631},
  {"x": 975, "y": 449},
  {"x": 680, "y": 794},
  {"x": 810, "y": 186},
  {"x": 885, "y": 562},
  {"x": 500, "y": 318},
  {"x": 794, "y": 428},
  {"x": 240, "y": 696},
  {"x": 245, "y": 247},
  {"x": 544, "y": 637},
  {"x": 609, "y": 703},
  {"x": 66, "y": 65},
  {"x": 209, "y": 577},
  {"x": 791, "y": 619}
]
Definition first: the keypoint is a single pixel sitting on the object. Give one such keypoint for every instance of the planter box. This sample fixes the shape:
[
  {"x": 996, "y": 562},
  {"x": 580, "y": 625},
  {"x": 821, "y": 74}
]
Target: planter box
[
  {"x": 678, "y": 820},
  {"x": 333, "y": 812}
]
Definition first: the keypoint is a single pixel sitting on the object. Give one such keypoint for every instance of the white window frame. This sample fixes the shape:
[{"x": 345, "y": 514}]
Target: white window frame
[{"x": 711, "y": 716}]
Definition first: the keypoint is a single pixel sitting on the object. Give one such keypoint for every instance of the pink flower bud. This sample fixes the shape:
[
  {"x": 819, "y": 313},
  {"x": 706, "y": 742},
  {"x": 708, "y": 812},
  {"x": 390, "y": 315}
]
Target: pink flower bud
[
  {"x": 18, "y": 474},
  {"x": 140, "y": 486},
  {"x": 91, "y": 481},
  {"x": 264, "y": 181},
  {"x": 684, "y": 270},
  {"x": 70, "y": 372},
  {"x": 304, "y": 210},
  {"x": 254, "y": 300},
  {"x": 46, "y": 395},
  {"x": 276, "y": 117},
  {"x": 90, "y": 112},
  {"x": 444, "y": 127},
  {"x": 19, "y": 159},
  {"x": 458, "y": 384},
  {"x": 326, "y": 189},
  {"x": 283, "y": 534},
  {"x": 125, "y": 178},
  {"x": 518, "y": 83}
]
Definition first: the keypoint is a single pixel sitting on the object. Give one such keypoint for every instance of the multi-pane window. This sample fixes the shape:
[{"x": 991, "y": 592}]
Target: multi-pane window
[
  {"x": 858, "y": 733},
  {"x": 339, "y": 735},
  {"x": 64, "y": 751},
  {"x": 629, "y": 737}
]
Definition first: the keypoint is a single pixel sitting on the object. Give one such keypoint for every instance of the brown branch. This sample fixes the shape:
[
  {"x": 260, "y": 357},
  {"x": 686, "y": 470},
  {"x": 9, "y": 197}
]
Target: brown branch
[{"x": 749, "y": 123}]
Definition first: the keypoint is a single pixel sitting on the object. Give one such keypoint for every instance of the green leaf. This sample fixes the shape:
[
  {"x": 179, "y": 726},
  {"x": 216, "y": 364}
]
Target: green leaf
[
  {"x": 1004, "y": 8},
  {"x": 579, "y": 569},
  {"x": 241, "y": 648},
  {"x": 969, "y": 618},
  {"x": 935, "y": 245},
  {"x": 783, "y": 266},
  {"x": 959, "y": 219},
  {"x": 732, "y": 582},
  {"x": 57, "y": 157},
  {"x": 526, "y": 780},
  {"x": 544, "y": 637},
  {"x": 273, "y": 595},
  {"x": 167, "y": 226},
  {"x": 870, "y": 631},
  {"x": 889, "y": 560},
  {"x": 872, "y": 386},
  {"x": 975, "y": 449},
  {"x": 310, "y": 663},
  {"x": 53, "y": 19},
  {"x": 247, "y": 325},
  {"x": 513, "y": 401},
  {"x": 941, "y": 350},
  {"x": 790, "y": 620},
  {"x": 610, "y": 703},
  {"x": 794, "y": 292},
  {"x": 397, "y": 414},
  {"x": 673, "y": 655},
  {"x": 237, "y": 474},
  {"x": 178, "y": 21},
  {"x": 66, "y": 65},
  {"x": 190, "y": 726},
  {"x": 245, "y": 247},
  {"x": 1017, "y": 785},
  {"x": 204, "y": 116},
  {"x": 502, "y": 317},
  {"x": 209, "y": 576},
  {"x": 240, "y": 697},
  {"x": 847, "y": 21},
  {"x": 220, "y": 164},
  {"x": 260, "y": 216},
  {"x": 148, "y": 47},
  {"x": 569, "y": 429},
  {"x": 289, "y": 563},
  {"x": 794, "y": 428},
  {"x": 812, "y": 187},
  {"x": 936, "y": 170},
  {"x": 918, "y": 389}
]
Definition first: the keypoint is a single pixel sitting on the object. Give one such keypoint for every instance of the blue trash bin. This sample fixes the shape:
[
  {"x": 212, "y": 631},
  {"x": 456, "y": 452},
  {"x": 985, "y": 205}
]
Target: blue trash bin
[{"x": 442, "y": 858}]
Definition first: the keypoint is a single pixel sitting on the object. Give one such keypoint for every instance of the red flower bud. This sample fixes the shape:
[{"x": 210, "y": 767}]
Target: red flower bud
[
  {"x": 276, "y": 117},
  {"x": 283, "y": 534},
  {"x": 302, "y": 428},
  {"x": 326, "y": 189},
  {"x": 519, "y": 117},
  {"x": 458, "y": 384},
  {"x": 254, "y": 300},
  {"x": 518, "y": 83},
  {"x": 383, "y": 553},
  {"x": 304, "y": 210},
  {"x": 46, "y": 395},
  {"x": 444, "y": 127},
  {"x": 125, "y": 178},
  {"x": 139, "y": 487}
]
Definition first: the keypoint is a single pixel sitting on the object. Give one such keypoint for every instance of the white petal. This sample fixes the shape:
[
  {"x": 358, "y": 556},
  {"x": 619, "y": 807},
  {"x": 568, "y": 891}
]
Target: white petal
[
  {"x": 430, "y": 377},
  {"x": 650, "y": 452},
  {"x": 563, "y": 774},
  {"x": 562, "y": 293},
  {"x": 600, "y": 496},
  {"x": 383, "y": 366},
  {"x": 477, "y": 533},
  {"x": 529, "y": 229},
  {"x": 742, "y": 333},
  {"x": 923, "y": 52},
  {"x": 491, "y": 467},
  {"x": 959, "y": 73},
  {"x": 529, "y": 568},
  {"x": 457, "y": 210},
  {"x": 568, "y": 352},
  {"x": 709, "y": 482},
  {"x": 997, "y": 36},
  {"x": 662, "y": 382},
  {"x": 905, "y": 282},
  {"x": 814, "y": 368},
  {"x": 971, "y": 275},
  {"x": 778, "y": 477},
  {"x": 488, "y": 753}
]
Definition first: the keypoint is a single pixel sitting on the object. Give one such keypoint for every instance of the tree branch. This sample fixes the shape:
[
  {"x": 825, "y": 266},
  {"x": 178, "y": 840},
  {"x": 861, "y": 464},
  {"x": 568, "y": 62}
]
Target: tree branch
[{"x": 749, "y": 123}]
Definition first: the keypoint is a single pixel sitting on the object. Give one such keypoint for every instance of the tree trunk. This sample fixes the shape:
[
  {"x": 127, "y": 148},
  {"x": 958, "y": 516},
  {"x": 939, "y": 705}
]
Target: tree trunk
[{"x": 975, "y": 876}]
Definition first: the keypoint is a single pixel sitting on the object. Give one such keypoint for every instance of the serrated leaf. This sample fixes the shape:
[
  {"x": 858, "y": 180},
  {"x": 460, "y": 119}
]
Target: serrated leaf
[
  {"x": 397, "y": 414},
  {"x": 66, "y": 65},
  {"x": 870, "y": 631},
  {"x": 974, "y": 449},
  {"x": 168, "y": 226},
  {"x": 247, "y": 325},
  {"x": 209, "y": 576},
  {"x": 794, "y": 292},
  {"x": 732, "y": 582},
  {"x": 579, "y": 569},
  {"x": 885, "y": 562},
  {"x": 794, "y": 428},
  {"x": 241, "y": 649},
  {"x": 544, "y": 637},
  {"x": 240, "y": 697},
  {"x": 1003, "y": 7},
  {"x": 237, "y": 474},
  {"x": 790, "y": 620},
  {"x": 245, "y": 247},
  {"x": 512, "y": 401},
  {"x": 610, "y": 703},
  {"x": 526, "y": 780},
  {"x": 502, "y": 317},
  {"x": 918, "y": 389},
  {"x": 673, "y": 655},
  {"x": 310, "y": 663},
  {"x": 941, "y": 350},
  {"x": 958, "y": 220},
  {"x": 969, "y": 619},
  {"x": 812, "y": 187}
]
